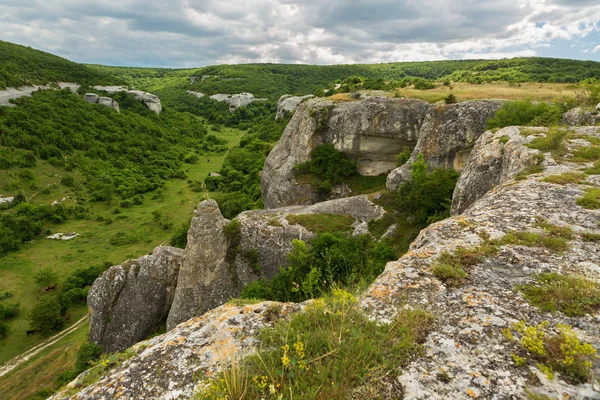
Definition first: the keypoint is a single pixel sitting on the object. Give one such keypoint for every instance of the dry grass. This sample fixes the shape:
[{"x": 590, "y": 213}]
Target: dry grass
[{"x": 501, "y": 90}]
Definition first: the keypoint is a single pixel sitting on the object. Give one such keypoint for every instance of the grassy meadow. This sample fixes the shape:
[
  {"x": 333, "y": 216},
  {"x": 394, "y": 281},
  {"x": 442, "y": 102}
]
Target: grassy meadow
[{"x": 176, "y": 203}]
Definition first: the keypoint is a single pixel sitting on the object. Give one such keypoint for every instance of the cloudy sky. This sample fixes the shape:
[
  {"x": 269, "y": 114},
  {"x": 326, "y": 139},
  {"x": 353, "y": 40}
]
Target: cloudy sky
[{"x": 190, "y": 33}]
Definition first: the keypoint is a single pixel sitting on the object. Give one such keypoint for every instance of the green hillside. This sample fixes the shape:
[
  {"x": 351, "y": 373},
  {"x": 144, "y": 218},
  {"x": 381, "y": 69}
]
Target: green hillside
[
  {"x": 273, "y": 80},
  {"x": 20, "y": 65}
]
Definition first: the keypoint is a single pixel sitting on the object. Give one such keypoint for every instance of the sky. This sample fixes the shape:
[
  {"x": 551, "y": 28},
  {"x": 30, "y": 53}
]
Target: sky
[{"x": 194, "y": 33}]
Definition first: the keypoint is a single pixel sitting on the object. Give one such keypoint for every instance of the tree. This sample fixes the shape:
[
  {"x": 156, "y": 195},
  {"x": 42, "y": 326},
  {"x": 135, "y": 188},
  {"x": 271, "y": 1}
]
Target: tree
[
  {"x": 46, "y": 315},
  {"x": 45, "y": 277}
]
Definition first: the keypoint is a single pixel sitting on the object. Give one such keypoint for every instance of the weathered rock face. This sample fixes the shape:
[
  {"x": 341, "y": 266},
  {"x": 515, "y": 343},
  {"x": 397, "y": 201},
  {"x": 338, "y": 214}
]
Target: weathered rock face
[
  {"x": 217, "y": 265},
  {"x": 150, "y": 100},
  {"x": 108, "y": 102},
  {"x": 129, "y": 301},
  {"x": 235, "y": 100},
  {"x": 91, "y": 98},
  {"x": 577, "y": 117},
  {"x": 205, "y": 281},
  {"x": 447, "y": 136},
  {"x": 372, "y": 131},
  {"x": 495, "y": 158},
  {"x": 169, "y": 366},
  {"x": 466, "y": 355},
  {"x": 9, "y": 94},
  {"x": 468, "y": 346},
  {"x": 288, "y": 103}
]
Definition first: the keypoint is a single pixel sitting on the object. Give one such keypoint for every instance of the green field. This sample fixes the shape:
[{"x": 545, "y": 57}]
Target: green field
[{"x": 93, "y": 245}]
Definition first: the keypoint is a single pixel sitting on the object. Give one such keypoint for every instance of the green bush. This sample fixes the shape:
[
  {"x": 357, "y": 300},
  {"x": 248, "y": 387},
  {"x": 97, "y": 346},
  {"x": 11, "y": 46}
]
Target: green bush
[
  {"x": 45, "y": 277},
  {"x": 9, "y": 310},
  {"x": 46, "y": 315},
  {"x": 329, "y": 259},
  {"x": 428, "y": 196},
  {"x": 450, "y": 99},
  {"x": 329, "y": 166},
  {"x": 4, "y": 328},
  {"x": 526, "y": 113},
  {"x": 179, "y": 238}
]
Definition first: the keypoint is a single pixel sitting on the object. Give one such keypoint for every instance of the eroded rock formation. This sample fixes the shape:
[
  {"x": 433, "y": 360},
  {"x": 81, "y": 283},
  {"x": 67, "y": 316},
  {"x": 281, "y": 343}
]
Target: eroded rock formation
[
  {"x": 150, "y": 100},
  {"x": 578, "y": 116},
  {"x": 223, "y": 256},
  {"x": 288, "y": 103},
  {"x": 130, "y": 301},
  {"x": 466, "y": 355},
  {"x": 372, "y": 131}
]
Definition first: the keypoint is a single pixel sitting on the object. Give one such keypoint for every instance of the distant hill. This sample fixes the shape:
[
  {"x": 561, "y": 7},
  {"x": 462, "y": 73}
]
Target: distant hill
[
  {"x": 272, "y": 80},
  {"x": 20, "y": 65}
]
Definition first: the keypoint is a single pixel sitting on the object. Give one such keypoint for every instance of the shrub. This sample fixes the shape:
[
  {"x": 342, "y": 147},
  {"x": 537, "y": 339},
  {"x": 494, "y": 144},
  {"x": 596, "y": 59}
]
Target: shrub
[
  {"x": 329, "y": 259},
  {"x": 422, "y": 84},
  {"x": 9, "y": 310},
  {"x": 179, "y": 238},
  {"x": 87, "y": 354},
  {"x": 329, "y": 166},
  {"x": 46, "y": 315},
  {"x": 564, "y": 352},
  {"x": 403, "y": 156},
  {"x": 4, "y": 328},
  {"x": 45, "y": 277},
  {"x": 428, "y": 195},
  {"x": 523, "y": 113},
  {"x": 590, "y": 199},
  {"x": 450, "y": 99}
]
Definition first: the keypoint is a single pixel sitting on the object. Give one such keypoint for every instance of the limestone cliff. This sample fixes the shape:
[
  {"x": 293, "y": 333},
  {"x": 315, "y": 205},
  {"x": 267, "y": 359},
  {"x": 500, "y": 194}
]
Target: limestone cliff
[
  {"x": 372, "y": 131},
  {"x": 466, "y": 355},
  {"x": 129, "y": 301}
]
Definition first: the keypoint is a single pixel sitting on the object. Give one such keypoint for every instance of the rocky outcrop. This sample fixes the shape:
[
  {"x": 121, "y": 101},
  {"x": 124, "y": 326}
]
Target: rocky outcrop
[
  {"x": 9, "y": 94},
  {"x": 150, "y": 100},
  {"x": 372, "y": 131},
  {"x": 578, "y": 116},
  {"x": 468, "y": 348},
  {"x": 223, "y": 256},
  {"x": 466, "y": 355},
  {"x": 93, "y": 98},
  {"x": 447, "y": 137},
  {"x": 236, "y": 100},
  {"x": 496, "y": 158},
  {"x": 288, "y": 103},
  {"x": 130, "y": 301},
  {"x": 170, "y": 366}
]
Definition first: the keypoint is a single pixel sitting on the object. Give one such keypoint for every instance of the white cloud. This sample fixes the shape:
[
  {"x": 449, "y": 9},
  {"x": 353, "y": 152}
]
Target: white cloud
[
  {"x": 596, "y": 49},
  {"x": 188, "y": 33}
]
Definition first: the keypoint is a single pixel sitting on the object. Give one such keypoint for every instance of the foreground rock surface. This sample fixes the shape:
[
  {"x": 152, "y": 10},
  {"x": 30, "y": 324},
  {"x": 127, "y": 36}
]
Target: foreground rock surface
[
  {"x": 466, "y": 355},
  {"x": 372, "y": 130},
  {"x": 218, "y": 265},
  {"x": 130, "y": 301}
]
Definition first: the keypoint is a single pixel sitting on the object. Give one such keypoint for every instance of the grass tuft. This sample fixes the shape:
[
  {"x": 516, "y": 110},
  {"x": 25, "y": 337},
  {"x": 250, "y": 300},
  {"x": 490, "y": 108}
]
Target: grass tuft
[
  {"x": 572, "y": 295},
  {"x": 590, "y": 199},
  {"x": 565, "y": 179}
]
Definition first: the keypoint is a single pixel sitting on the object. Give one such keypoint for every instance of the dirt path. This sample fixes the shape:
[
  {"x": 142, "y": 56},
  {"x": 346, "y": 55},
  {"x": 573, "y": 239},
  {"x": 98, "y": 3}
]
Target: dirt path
[{"x": 20, "y": 359}]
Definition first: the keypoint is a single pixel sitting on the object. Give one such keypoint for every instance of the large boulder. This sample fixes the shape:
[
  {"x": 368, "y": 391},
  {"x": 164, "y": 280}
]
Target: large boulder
[
  {"x": 288, "y": 103},
  {"x": 467, "y": 354},
  {"x": 447, "y": 137},
  {"x": 223, "y": 256},
  {"x": 130, "y": 301},
  {"x": 91, "y": 98},
  {"x": 371, "y": 130},
  {"x": 496, "y": 158}
]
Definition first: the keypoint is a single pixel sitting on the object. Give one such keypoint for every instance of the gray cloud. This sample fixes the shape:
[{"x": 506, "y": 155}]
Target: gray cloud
[{"x": 185, "y": 33}]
